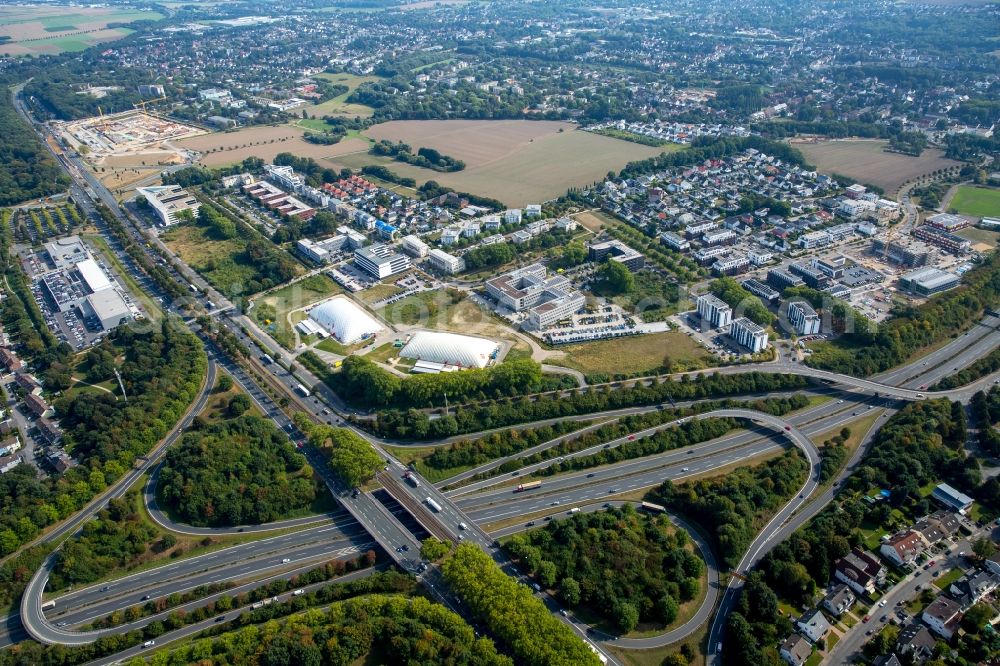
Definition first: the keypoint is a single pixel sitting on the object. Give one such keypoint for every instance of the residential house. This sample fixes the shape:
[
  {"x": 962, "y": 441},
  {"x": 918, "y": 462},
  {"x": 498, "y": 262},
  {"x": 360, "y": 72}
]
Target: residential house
[
  {"x": 938, "y": 525},
  {"x": 903, "y": 548},
  {"x": 50, "y": 431},
  {"x": 915, "y": 640},
  {"x": 973, "y": 586},
  {"x": 9, "y": 360},
  {"x": 860, "y": 570},
  {"x": 796, "y": 650},
  {"x": 813, "y": 625},
  {"x": 887, "y": 660},
  {"x": 29, "y": 383},
  {"x": 943, "y": 616},
  {"x": 37, "y": 405},
  {"x": 839, "y": 600}
]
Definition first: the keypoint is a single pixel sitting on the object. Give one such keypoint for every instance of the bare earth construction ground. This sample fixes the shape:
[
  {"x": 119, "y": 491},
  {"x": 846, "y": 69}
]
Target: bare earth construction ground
[{"x": 867, "y": 162}]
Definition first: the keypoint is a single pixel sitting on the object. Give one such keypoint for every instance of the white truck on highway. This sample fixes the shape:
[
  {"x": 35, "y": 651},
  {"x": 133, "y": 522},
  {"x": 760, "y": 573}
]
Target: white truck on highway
[
  {"x": 433, "y": 505},
  {"x": 303, "y": 390}
]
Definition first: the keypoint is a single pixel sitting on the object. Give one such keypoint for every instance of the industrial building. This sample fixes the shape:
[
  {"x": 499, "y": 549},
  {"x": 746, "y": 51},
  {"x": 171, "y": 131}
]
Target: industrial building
[
  {"x": 344, "y": 320},
  {"x": 615, "y": 250},
  {"x": 380, "y": 260},
  {"x": 803, "y": 318},
  {"x": 79, "y": 283},
  {"x": 748, "y": 334},
  {"x": 436, "y": 351},
  {"x": 66, "y": 252},
  {"x": 168, "y": 201},
  {"x": 445, "y": 262},
  {"x": 927, "y": 281},
  {"x": 714, "y": 310}
]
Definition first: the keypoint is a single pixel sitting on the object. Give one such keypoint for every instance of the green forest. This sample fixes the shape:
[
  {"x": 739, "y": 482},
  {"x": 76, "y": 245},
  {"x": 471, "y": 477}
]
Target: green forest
[
  {"x": 628, "y": 567},
  {"x": 513, "y": 614},
  {"x": 29, "y": 171},
  {"x": 242, "y": 471},
  {"x": 733, "y": 508}
]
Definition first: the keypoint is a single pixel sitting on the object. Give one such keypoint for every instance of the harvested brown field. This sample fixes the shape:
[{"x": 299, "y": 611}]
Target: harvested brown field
[
  {"x": 37, "y": 30},
  {"x": 515, "y": 161},
  {"x": 222, "y": 148},
  {"x": 867, "y": 162}
]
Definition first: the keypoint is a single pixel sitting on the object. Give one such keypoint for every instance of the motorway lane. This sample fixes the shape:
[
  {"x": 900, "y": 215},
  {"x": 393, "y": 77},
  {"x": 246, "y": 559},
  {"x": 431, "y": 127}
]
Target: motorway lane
[
  {"x": 230, "y": 617},
  {"x": 984, "y": 329},
  {"x": 799, "y": 418}
]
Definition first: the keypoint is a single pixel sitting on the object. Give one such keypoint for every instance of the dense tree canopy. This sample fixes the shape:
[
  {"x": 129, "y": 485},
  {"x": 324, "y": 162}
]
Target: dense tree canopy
[
  {"x": 238, "y": 472},
  {"x": 512, "y": 613},
  {"x": 615, "y": 562}
]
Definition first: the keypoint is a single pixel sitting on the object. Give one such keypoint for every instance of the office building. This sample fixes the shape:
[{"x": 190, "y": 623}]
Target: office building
[
  {"x": 899, "y": 254},
  {"x": 803, "y": 318},
  {"x": 380, "y": 260},
  {"x": 758, "y": 288},
  {"x": 167, "y": 201},
  {"x": 813, "y": 277},
  {"x": 714, "y": 310},
  {"x": 730, "y": 265},
  {"x": 447, "y": 263},
  {"x": 548, "y": 300},
  {"x": 615, "y": 250},
  {"x": 748, "y": 334},
  {"x": 414, "y": 247},
  {"x": 323, "y": 251},
  {"x": 781, "y": 279},
  {"x": 943, "y": 239}
]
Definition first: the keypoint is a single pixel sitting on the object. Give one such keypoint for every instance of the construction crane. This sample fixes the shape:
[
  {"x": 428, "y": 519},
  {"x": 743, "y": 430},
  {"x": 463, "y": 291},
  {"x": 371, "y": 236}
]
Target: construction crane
[{"x": 141, "y": 105}]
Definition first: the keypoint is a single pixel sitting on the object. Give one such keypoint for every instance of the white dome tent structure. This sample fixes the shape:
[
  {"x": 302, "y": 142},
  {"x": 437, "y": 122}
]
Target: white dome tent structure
[
  {"x": 435, "y": 351},
  {"x": 344, "y": 320}
]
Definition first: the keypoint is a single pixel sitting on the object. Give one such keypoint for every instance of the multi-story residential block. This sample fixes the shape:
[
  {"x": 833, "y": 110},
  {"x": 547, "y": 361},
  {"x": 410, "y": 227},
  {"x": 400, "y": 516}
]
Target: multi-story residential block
[
  {"x": 714, "y": 310},
  {"x": 748, "y": 334},
  {"x": 803, "y": 318},
  {"x": 445, "y": 262}
]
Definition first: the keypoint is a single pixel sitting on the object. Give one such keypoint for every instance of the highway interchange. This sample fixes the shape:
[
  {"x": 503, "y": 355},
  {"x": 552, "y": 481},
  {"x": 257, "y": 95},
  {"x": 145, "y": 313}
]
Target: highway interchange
[{"x": 366, "y": 517}]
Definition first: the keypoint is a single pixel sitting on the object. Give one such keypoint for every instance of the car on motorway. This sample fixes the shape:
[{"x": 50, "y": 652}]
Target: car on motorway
[
  {"x": 298, "y": 593},
  {"x": 530, "y": 523},
  {"x": 221, "y": 618},
  {"x": 788, "y": 428},
  {"x": 105, "y": 588},
  {"x": 591, "y": 475},
  {"x": 612, "y": 491},
  {"x": 286, "y": 560},
  {"x": 631, "y": 438},
  {"x": 555, "y": 503},
  {"x": 148, "y": 644},
  {"x": 145, "y": 598},
  {"x": 564, "y": 613}
]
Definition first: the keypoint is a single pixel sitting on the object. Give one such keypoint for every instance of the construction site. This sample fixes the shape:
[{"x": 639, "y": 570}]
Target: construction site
[{"x": 128, "y": 133}]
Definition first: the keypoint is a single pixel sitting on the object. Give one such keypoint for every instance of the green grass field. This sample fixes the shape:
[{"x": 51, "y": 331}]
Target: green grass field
[
  {"x": 272, "y": 310},
  {"x": 633, "y": 355},
  {"x": 338, "y": 106},
  {"x": 977, "y": 201}
]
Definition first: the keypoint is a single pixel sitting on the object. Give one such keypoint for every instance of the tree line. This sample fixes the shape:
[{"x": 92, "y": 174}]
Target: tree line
[
  {"x": 628, "y": 568},
  {"x": 29, "y": 171},
  {"x": 241, "y": 471},
  {"x": 521, "y": 622},
  {"x": 414, "y": 424},
  {"x": 427, "y": 158}
]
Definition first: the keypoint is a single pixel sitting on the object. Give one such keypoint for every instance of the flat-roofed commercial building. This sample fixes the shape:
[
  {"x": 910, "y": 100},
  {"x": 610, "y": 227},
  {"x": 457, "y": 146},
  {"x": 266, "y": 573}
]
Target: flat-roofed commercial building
[
  {"x": 414, "y": 247},
  {"x": 803, "y": 318},
  {"x": 929, "y": 280},
  {"x": 555, "y": 310},
  {"x": 323, "y": 251},
  {"x": 445, "y": 262},
  {"x": 714, "y": 310},
  {"x": 758, "y": 288},
  {"x": 168, "y": 201},
  {"x": 748, "y": 334},
  {"x": 616, "y": 250},
  {"x": 107, "y": 308},
  {"x": 380, "y": 260}
]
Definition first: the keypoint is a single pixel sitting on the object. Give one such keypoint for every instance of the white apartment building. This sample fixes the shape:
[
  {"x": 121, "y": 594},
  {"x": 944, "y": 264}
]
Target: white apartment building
[
  {"x": 748, "y": 334},
  {"x": 803, "y": 318},
  {"x": 715, "y": 311}
]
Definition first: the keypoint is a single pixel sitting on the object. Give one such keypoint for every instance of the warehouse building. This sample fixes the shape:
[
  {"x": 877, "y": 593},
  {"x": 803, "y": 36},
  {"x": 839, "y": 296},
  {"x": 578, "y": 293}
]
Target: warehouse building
[
  {"x": 436, "y": 351},
  {"x": 380, "y": 260},
  {"x": 106, "y": 308},
  {"x": 344, "y": 320},
  {"x": 168, "y": 201},
  {"x": 928, "y": 281},
  {"x": 748, "y": 334},
  {"x": 803, "y": 318}
]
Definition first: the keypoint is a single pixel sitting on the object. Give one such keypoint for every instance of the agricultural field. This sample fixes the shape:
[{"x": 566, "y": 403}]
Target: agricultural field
[
  {"x": 976, "y": 201},
  {"x": 515, "y": 161},
  {"x": 278, "y": 311},
  {"x": 338, "y": 106},
  {"x": 640, "y": 354},
  {"x": 865, "y": 161},
  {"x": 224, "y": 148},
  {"x": 47, "y": 30}
]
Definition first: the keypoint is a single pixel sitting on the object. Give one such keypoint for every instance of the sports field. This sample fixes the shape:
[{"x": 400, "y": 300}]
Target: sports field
[
  {"x": 222, "y": 148},
  {"x": 977, "y": 201},
  {"x": 865, "y": 161},
  {"x": 515, "y": 161},
  {"x": 51, "y": 29}
]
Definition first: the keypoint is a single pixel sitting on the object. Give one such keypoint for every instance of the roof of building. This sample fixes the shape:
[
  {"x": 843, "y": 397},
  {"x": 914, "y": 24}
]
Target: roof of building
[
  {"x": 92, "y": 274},
  {"x": 943, "y": 609},
  {"x": 797, "y": 646},
  {"x": 346, "y": 321},
  {"x": 930, "y": 277},
  {"x": 108, "y": 305},
  {"x": 946, "y": 493},
  {"x": 450, "y": 349}
]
